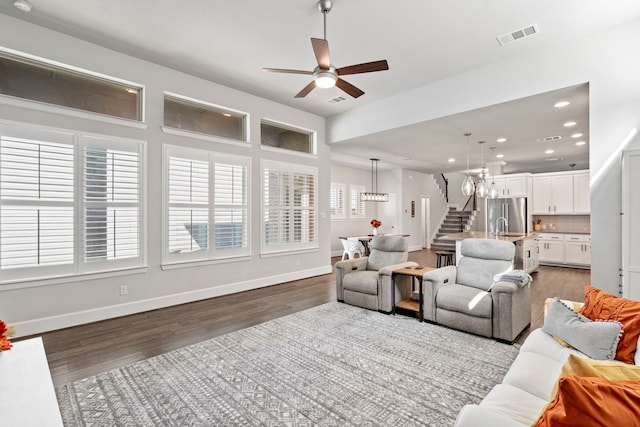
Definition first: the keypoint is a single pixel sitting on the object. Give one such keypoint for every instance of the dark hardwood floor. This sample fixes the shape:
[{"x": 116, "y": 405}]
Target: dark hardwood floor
[{"x": 86, "y": 350}]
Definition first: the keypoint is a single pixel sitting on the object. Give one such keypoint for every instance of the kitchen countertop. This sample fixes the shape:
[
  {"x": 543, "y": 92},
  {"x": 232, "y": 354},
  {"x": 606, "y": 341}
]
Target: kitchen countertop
[
  {"x": 561, "y": 232},
  {"x": 509, "y": 237}
]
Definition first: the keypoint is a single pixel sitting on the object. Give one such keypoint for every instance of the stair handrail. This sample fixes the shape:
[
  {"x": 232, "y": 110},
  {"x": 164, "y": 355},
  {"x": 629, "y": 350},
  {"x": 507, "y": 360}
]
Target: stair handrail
[
  {"x": 446, "y": 187},
  {"x": 471, "y": 198}
]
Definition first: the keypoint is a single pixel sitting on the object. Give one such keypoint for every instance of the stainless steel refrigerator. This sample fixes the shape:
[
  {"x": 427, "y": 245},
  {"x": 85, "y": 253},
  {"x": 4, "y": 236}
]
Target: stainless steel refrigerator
[{"x": 514, "y": 211}]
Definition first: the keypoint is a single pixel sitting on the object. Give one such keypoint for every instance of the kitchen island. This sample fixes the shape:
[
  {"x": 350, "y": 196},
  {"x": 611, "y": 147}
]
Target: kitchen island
[{"x": 526, "y": 246}]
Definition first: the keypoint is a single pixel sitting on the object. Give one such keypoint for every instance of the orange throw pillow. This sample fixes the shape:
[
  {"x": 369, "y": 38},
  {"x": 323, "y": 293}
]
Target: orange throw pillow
[
  {"x": 586, "y": 401},
  {"x": 599, "y": 305}
]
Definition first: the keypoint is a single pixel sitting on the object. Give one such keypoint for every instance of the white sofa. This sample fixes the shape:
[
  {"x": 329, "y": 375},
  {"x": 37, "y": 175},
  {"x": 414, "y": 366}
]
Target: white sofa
[{"x": 526, "y": 388}]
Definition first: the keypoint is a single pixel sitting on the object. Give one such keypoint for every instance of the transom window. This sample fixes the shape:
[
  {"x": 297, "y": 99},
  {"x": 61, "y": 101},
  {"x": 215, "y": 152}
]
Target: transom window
[
  {"x": 206, "y": 205},
  {"x": 40, "y": 172},
  {"x": 287, "y": 137},
  {"x": 289, "y": 208},
  {"x": 204, "y": 118},
  {"x": 43, "y": 82}
]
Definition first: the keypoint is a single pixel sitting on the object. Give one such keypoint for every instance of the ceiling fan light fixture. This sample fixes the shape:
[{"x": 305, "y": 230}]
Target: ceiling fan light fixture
[{"x": 325, "y": 79}]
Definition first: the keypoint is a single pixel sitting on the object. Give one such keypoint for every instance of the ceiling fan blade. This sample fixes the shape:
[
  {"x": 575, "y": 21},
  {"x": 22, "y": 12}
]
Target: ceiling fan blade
[
  {"x": 321, "y": 49},
  {"x": 284, "y": 70},
  {"x": 305, "y": 91},
  {"x": 349, "y": 88},
  {"x": 367, "y": 67}
]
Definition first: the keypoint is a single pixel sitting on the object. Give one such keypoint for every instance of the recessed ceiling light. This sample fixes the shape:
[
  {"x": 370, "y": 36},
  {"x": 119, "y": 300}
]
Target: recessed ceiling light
[
  {"x": 451, "y": 160},
  {"x": 580, "y": 143},
  {"x": 569, "y": 124},
  {"x": 561, "y": 104},
  {"x": 549, "y": 151},
  {"x": 576, "y": 135},
  {"x": 23, "y": 5},
  {"x": 499, "y": 156},
  {"x": 501, "y": 139}
]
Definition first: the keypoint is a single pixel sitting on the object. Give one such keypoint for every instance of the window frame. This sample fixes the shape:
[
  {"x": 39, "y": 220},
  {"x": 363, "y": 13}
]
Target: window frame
[
  {"x": 291, "y": 170},
  {"x": 211, "y": 254},
  {"x": 313, "y": 138},
  {"x": 53, "y": 66},
  {"x": 211, "y": 107},
  {"x": 78, "y": 267}
]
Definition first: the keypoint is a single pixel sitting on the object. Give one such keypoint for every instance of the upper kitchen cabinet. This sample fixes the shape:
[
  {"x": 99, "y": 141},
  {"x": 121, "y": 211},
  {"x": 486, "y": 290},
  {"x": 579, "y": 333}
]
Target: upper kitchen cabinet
[
  {"x": 516, "y": 185},
  {"x": 581, "y": 200},
  {"x": 552, "y": 194}
]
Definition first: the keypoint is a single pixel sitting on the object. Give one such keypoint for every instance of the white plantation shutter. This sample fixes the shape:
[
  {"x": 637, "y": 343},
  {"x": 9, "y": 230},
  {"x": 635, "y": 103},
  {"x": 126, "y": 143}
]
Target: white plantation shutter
[
  {"x": 304, "y": 223},
  {"x": 36, "y": 218},
  {"x": 111, "y": 196},
  {"x": 188, "y": 214},
  {"x": 206, "y": 204},
  {"x": 337, "y": 200},
  {"x": 69, "y": 204},
  {"x": 231, "y": 207},
  {"x": 289, "y": 207},
  {"x": 357, "y": 205}
]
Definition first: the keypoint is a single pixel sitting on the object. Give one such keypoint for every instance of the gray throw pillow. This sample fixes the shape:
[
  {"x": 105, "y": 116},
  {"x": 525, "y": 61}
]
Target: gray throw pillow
[{"x": 597, "y": 340}]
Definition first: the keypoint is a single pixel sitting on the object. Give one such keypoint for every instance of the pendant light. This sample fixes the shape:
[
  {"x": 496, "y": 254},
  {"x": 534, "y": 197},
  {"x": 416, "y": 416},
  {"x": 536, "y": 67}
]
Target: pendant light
[
  {"x": 468, "y": 186},
  {"x": 493, "y": 191},
  {"x": 374, "y": 196},
  {"x": 482, "y": 189}
]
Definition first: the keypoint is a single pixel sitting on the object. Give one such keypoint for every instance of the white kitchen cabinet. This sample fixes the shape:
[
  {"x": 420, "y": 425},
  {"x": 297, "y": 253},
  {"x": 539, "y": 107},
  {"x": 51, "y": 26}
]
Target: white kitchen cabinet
[
  {"x": 553, "y": 194},
  {"x": 551, "y": 248},
  {"x": 577, "y": 249},
  {"x": 581, "y": 196},
  {"x": 512, "y": 186}
]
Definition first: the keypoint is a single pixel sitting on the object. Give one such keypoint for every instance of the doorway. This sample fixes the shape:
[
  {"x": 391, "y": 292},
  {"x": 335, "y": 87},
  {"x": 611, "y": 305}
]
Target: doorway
[{"x": 425, "y": 222}]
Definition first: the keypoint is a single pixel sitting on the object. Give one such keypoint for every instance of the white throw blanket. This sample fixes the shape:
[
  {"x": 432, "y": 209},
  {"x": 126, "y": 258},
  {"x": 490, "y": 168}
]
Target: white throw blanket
[{"x": 520, "y": 277}]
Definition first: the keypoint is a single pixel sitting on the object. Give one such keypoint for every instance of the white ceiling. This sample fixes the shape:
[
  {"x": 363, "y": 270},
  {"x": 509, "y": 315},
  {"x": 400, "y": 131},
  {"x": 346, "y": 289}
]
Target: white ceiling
[{"x": 424, "y": 41}]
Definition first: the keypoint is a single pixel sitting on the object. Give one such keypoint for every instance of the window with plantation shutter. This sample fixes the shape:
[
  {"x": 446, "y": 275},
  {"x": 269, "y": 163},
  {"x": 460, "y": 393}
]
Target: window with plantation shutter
[
  {"x": 289, "y": 207},
  {"x": 69, "y": 204},
  {"x": 111, "y": 197},
  {"x": 207, "y": 210},
  {"x": 337, "y": 200},
  {"x": 356, "y": 204}
]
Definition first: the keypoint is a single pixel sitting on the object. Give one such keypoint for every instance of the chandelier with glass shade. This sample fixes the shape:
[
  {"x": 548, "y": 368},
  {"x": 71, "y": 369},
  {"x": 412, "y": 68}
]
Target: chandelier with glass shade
[
  {"x": 468, "y": 186},
  {"x": 482, "y": 188}
]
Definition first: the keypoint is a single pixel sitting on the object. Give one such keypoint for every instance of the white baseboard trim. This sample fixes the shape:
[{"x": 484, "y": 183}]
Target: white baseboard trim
[
  {"x": 66, "y": 320},
  {"x": 415, "y": 248}
]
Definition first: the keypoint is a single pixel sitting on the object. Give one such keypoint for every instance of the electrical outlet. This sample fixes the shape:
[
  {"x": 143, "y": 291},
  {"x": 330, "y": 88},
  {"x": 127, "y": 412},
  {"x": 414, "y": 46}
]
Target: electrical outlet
[{"x": 124, "y": 289}]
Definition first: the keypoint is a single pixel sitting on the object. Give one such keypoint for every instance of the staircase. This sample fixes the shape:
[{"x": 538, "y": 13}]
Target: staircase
[{"x": 454, "y": 222}]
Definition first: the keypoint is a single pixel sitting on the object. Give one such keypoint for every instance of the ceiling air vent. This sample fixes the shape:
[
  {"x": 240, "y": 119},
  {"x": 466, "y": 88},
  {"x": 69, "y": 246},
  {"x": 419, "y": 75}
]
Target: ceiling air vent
[
  {"x": 337, "y": 99},
  {"x": 549, "y": 138},
  {"x": 518, "y": 34}
]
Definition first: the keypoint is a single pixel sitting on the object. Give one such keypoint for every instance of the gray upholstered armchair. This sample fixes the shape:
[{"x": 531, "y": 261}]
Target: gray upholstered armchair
[
  {"x": 465, "y": 296},
  {"x": 366, "y": 282}
]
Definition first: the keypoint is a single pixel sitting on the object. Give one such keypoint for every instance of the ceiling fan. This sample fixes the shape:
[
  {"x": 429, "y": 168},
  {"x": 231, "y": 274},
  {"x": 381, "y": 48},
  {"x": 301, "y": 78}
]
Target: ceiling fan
[{"x": 326, "y": 75}]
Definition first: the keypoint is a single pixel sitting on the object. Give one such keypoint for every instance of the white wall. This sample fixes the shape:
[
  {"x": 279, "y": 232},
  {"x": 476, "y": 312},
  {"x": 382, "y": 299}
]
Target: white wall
[
  {"x": 415, "y": 185},
  {"x": 608, "y": 60},
  {"x": 37, "y": 307}
]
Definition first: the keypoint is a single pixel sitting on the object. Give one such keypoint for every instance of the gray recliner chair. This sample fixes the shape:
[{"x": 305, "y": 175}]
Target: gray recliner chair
[
  {"x": 366, "y": 282},
  {"x": 465, "y": 297}
]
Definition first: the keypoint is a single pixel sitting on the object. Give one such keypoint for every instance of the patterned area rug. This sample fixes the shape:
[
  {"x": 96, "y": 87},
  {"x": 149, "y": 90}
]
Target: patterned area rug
[{"x": 332, "y": 365}]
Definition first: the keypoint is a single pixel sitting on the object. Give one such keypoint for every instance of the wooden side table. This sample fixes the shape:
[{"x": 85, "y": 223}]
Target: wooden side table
[{"x": 408, "y": 303}]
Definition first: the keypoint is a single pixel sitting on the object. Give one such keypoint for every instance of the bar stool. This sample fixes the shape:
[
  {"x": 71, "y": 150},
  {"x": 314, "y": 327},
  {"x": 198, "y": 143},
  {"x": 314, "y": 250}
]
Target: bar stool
[{"x": 444, "y": 258}]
